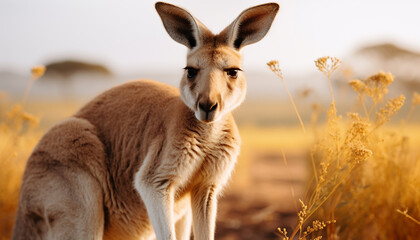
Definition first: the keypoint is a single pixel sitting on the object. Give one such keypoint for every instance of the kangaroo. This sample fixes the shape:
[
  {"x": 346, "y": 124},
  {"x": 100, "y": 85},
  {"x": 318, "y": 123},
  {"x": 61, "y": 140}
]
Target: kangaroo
[{"x": 145, "y": 160}]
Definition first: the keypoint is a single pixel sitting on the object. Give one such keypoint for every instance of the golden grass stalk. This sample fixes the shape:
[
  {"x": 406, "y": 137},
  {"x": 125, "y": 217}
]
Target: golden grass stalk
[
  {"x": 328, "y": 65},
  {"x": 274, "y": 67},
  {"x": 17, "y": 139},
  {"x": 360, "y": 87},
  {"x": 405, "y": 214},
  {"x": 37, "y": 72},
  {"x": 391, "y": 108}
]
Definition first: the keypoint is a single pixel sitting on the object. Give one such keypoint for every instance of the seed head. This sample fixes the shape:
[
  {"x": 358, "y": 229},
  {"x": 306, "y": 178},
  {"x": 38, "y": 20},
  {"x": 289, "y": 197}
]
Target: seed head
[
  {"x": 381, "y": 79},
  {"x": 391, "y": 108},
  {"x": 302, "y": 213},
  {"x": 359, "y": 127},
  {"x": 359, "y": 152},
  {"x": 284, "y": 233},
  {"x": 377, "y": 85},
  {"x": 316, "y": 226},
  {"x": 275, "y": 68},
  {"x": 37, "y": 72},
  {"x": 358, "y": 86},
  {"x": 327, "y": 64},
  {"x": 354, "y": 116}
]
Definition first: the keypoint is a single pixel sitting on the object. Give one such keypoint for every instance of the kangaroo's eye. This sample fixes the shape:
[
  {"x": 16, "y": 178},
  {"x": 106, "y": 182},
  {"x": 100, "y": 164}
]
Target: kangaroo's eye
[
  {"x": 232, "y": 72},
  {"x": 191, "y": 72}
]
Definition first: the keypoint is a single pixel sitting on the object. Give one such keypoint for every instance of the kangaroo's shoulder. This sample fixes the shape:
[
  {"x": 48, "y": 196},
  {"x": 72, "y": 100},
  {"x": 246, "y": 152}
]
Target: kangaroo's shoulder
[
  {"x": 139, "y": 88},
  {"x": 139, "y": 95}
]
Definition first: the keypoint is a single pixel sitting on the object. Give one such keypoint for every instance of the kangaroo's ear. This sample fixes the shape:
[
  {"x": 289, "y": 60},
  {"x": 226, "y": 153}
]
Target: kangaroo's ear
[
  {"x": 181, "y": 25},
  {"x": 250, "y": 26}
]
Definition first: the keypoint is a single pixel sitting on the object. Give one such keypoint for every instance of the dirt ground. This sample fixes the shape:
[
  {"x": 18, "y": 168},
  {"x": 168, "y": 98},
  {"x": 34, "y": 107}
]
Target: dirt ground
[{"x": 255, "y": 209}]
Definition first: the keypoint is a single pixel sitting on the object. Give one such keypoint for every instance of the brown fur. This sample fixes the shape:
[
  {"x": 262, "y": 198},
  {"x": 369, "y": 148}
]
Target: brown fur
[{"x": 137, "y": 160}]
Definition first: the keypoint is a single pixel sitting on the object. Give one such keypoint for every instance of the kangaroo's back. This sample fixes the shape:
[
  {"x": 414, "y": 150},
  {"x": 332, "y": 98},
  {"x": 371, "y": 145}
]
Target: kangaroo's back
[{"x": 130, "y": 116}]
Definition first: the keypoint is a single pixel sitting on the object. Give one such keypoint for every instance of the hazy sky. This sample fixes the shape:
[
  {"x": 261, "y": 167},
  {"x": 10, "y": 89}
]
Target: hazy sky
[{"x": 128, "y": 36}]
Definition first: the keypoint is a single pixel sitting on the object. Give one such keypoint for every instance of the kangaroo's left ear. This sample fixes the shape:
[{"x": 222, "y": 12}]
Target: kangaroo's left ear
[
  {"x": 182, "y": 26},
  {"x": 250, "y": 26}
]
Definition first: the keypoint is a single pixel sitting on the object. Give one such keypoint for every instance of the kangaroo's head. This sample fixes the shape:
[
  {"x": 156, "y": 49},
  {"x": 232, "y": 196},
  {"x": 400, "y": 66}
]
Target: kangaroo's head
[{"x": 213, "y": 83}]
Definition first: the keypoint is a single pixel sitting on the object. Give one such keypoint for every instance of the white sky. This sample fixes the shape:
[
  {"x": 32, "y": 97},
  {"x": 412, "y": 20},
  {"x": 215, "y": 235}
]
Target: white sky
[{"x": 128, "y": 35}]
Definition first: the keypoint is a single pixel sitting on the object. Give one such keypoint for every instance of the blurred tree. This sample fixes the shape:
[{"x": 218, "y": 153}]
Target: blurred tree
[
  {"x": 388, "y": 51},
  {"x": 67, "y": 73},
  {"x": 66, "y": 69},
  {"x": 400, "y": 61}
]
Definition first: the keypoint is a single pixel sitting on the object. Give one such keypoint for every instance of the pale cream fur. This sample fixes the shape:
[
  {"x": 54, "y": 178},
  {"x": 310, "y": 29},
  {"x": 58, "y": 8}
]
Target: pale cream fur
[{"x": 144, "y": 160}]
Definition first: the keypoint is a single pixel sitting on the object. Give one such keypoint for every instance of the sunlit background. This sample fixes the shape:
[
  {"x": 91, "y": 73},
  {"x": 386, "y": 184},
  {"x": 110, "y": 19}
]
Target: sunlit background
[
  {"x": 127, "y": 37},
  {"x": 90, "y": 46}
]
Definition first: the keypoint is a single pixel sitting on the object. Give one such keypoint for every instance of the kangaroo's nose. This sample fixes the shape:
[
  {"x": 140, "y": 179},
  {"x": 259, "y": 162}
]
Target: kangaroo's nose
[{"x": 208, "y": 106}]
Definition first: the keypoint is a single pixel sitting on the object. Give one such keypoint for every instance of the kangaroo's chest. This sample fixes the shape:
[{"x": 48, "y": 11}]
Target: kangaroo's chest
[
  {"x": 204, "y": 160},
  {"x": 181, "y": 161}
]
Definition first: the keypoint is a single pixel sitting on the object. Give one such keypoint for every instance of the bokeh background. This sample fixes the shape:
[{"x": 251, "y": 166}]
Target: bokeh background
[{"x": 90, "y": 46}]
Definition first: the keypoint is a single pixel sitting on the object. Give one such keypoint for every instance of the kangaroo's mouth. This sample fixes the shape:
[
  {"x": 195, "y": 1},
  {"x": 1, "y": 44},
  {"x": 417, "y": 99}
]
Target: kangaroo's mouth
[
  {"x": 207, "y": 111},
  {"x": 205, "y": 116}
]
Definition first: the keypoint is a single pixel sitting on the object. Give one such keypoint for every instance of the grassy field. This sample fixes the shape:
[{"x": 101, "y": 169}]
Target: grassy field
[{"x": 351, "y": 176}]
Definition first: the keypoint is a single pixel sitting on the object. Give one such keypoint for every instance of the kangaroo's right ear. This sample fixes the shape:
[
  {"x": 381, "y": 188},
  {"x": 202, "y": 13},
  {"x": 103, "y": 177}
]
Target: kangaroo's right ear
[
  {"x": 250, "y": 26},
  {"x": 181, "y": 25}
]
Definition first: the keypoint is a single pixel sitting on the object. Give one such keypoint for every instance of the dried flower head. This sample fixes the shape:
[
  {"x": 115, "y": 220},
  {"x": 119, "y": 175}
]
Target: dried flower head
[
  {"x": 327, "y": 64},
  {"x": 377, "y": 85},
  {"x": 358, "y": 131},
  {"x": 316, "y": 226},
  {"x": 353, "y": 116},
  {"x": 359, "y": 152},
  {"x": 275, "y": 68},
  {"x": 283, "y": 232},
  {"x": 37, "y": 72},
  {"x": 358, "y": 86},
  {"x": 359, "y": 127},
  {"x": 391, "y": 108},
  {"x": 302, "y": 213},
  {"x": 324, "y": 167},
  {"x": 381, "y": 79}
]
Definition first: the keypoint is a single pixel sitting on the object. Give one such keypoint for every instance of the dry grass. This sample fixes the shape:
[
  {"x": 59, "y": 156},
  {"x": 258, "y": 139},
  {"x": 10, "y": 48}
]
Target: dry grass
[
  {"x": 274, "y": 67},
  {"x": 15, "y": 146},
  {"x": 19, "y": 134},
  {"x": 20, "y": 131},
  {"x": 363, "y": 173}
]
